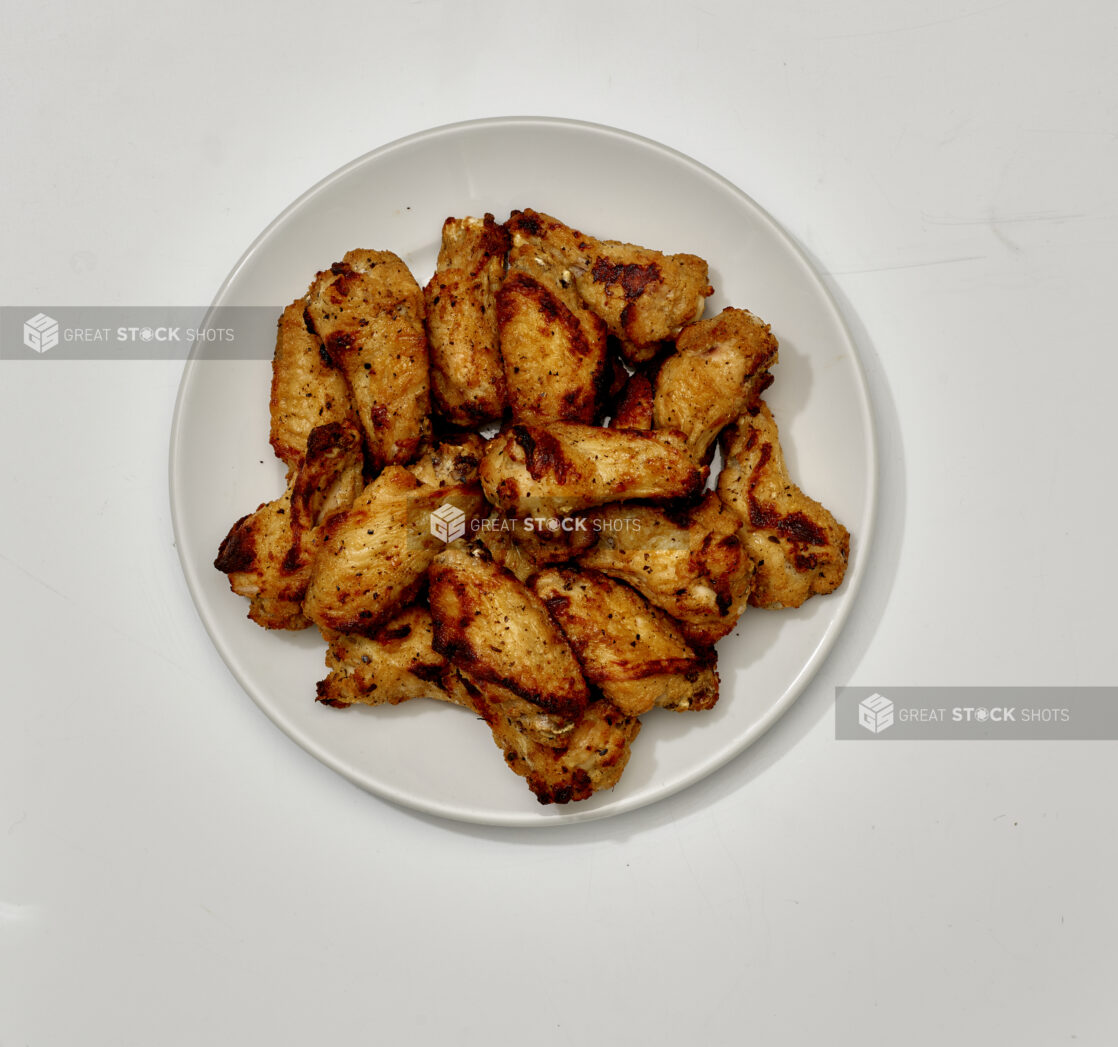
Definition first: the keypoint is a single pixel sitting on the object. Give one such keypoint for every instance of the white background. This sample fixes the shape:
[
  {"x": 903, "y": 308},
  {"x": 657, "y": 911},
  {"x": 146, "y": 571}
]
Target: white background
[{"x": 173, "y": 870}]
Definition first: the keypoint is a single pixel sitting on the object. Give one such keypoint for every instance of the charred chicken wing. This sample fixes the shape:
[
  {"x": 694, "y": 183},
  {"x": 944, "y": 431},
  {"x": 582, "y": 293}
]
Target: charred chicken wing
[
  {"x": 798, "y": 548},
  {"x": 368, "y": 311}
]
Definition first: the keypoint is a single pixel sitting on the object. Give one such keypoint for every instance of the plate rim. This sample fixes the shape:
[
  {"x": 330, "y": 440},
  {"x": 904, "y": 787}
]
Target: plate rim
[{"x": 537, "y": 817}]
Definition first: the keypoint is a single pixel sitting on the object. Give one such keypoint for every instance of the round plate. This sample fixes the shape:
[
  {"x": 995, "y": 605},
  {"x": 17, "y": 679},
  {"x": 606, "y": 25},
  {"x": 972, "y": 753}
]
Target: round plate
[{"x": 426, "y": 754}]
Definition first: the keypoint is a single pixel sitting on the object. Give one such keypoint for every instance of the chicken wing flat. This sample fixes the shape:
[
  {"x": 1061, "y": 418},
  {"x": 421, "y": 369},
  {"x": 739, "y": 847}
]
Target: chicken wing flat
[
  {"x": 307, "y": 390},
  {"x": 798, "y": 548},
  {"x": 497, "y": 633},
  {"x": 719, "y": 368},
  {"x": 372, "y": 560},
  {"x": 632, "y": 651},
  {"x": 268, "y": 554},
  {"x": 467, "y": 372},
  {"x": 395, "y": 664},
  {"x": 690, "y": 563},
  {"x": 554, "y": 348},
  {"x": 552, "y": 470},
  {"x": 368, "y": 311},
  {"x": 643, "y": 296}
]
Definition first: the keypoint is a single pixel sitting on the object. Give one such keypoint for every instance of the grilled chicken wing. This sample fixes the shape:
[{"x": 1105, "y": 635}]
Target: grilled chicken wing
[
  {"x": 372, "y": 560},
  {"x": 368, "y": 311},
  {"x": 554, "y": 348},
  {"x": 467, "y": 373},
  {"x": 498, "y": 634},
  {"x": 643, "y": 296},
  {"x": 394, "y": 665},
  {"x": 268, "y": 554},
  {"x": 307, "y": 391},
  {"x": 799, "y": 549},
  {"x": 633, "y": 652},
  {"x": 592, "y": 757},
  {"x": 692, "y": 564},
  {"x": 719, "y": 368},
  {"x": 547, "y": 471}
]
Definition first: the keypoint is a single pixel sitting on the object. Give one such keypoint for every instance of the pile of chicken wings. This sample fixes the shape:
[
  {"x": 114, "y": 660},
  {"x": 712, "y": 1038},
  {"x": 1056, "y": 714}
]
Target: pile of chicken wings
[{"x": 571, "y": 572}]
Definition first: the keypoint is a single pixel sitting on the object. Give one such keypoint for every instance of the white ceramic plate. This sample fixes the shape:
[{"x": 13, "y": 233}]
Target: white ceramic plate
[{"x": 425, "y": 754}]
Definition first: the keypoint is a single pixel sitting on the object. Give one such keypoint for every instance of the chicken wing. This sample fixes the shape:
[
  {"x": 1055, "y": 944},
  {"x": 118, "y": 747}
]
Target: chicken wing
[
  {"x": 467, "y": 372},
  {"x": 554, "y": 348},
  {"x": 643, "y": 296},
  {"x": 798, "y": 548},
  {"x": 691, "y": 563},
  {"x": 719, "y": 368},
  {"x": 368, "y": 311},
  {"x": 394, "y": 665},
  {"x": 552, "y": 470},
  {"x": 372, "y": 560},
  {"x": 592, "y": 757},
  {"x": 307, "y": 390},
  {"x": 268, "y": 554},
  {"x": 633, "y": 652},
  {"x": 499, "y": 634}
]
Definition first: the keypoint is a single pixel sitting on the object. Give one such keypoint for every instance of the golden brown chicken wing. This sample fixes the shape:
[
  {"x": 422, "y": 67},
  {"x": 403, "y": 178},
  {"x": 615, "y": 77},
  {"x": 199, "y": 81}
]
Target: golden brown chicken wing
[
  {"x": 307, "y": 390},
  {"x": 643, "y": 296},
  {"x": 798, "y": 548},
  {"x": 268, "y": 554},
  {"x": 499, "y": 635},
  {"x": 368, "y": 311},
  {"x": 395, "y": 664},
  {"x": 633, "y": 652},
  {"x": 719, "y": 368},
  {"x": 690, "y": 563},
  {"x": 549, "y": 471},
  {"x": 554, "y": 348},
  {"x": 467, "y": 373},
  {"x": 372, "y": 560}
]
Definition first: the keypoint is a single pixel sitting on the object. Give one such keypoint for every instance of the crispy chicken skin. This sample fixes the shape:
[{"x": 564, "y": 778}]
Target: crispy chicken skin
[
  {"x": 545, "y": 471},
  {"x": 799, "y": 549},
  {"x": 633, "y": 652},
  {"x": 496, "y": 632},
  {"x": 554, "y": 348},
  {"x": 633, "y": 409},
  {"x": 719, "y": 368},
  {"x": 690, "y": 563},
  {"x": 268, "y": 554},
  {"x": 394, "y": 665},
  {"x": 307, "y": 391},
  {"x": 368, "y": 311},
  {"x": 467, "y": 373},
  {"x": 372, "y": 560},
  {"x": 644, "y": 296}
]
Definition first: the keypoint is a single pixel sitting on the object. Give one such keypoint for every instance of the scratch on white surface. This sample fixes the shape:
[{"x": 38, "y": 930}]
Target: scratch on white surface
[
  {"x": 33, "y": 576},
  {"x": 909, "y": 265},
  {"x": 920, "y": 25}
]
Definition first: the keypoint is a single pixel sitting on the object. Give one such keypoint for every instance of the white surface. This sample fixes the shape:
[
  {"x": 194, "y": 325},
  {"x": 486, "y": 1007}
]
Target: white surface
[
  {"x": 429, "y": 756},
  {"x": 173, "y": 870}
]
